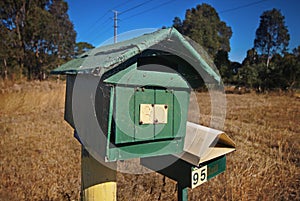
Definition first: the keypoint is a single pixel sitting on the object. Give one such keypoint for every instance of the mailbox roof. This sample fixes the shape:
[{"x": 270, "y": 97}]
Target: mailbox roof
[{"x": 99, "y": 60}]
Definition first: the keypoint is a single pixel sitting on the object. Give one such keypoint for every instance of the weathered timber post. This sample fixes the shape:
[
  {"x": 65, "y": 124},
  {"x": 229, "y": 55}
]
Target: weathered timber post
[{"x": 98, "y": 182}]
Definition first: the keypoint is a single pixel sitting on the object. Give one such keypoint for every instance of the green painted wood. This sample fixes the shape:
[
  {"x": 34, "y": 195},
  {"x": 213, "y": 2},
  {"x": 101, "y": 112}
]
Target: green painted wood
[
  {"x": 132, "y": 76},
  {"x": 124, "y": 115},
  {"x": 110, "y": 118},
  {"x": 148, "y": 149},
  {"x": 127, "y": 114},
  {"x": 143, "y": 132},
  {"x": 165, "y": 130},
  {"x": 137, "y": 140},
  {"x": 182, "y": 192},
  {"x": 216, "y": 167},
  {"x": 181, "y": 106}
]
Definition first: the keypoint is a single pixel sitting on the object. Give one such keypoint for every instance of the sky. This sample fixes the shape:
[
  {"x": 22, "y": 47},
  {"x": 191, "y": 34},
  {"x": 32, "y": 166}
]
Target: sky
[{"x": 93, "y": 19}]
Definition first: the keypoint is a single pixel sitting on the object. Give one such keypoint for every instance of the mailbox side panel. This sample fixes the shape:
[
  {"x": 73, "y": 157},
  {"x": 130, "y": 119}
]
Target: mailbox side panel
[
  {"x": 68, "y": 103},
  {"x": 102, "y": 99}
]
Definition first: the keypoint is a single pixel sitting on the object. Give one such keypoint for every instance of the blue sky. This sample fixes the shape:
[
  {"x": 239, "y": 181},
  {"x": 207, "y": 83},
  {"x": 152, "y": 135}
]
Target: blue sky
[{"x": 93, "y": 19}]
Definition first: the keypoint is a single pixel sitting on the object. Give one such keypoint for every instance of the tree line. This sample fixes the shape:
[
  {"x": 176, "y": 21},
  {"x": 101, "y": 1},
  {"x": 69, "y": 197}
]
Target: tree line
[
  {"x": 37, "y": 36},
  {"x": 268, "y": 64}
]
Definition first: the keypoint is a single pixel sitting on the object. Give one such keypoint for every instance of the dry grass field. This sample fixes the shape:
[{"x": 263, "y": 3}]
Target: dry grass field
[{"x": 40, "y": 159}]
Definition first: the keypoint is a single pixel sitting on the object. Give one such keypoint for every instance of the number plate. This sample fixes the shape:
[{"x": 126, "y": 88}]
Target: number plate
[{"x": 199, "y": 176}]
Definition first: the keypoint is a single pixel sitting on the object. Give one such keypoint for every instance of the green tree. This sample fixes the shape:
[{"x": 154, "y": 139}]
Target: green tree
[
  {"x": 63, "y": 34},
  {"x": 38, "y": 33},
  {"x": 291, "y": 68},
  {"x": 272, "y": 35},
  {"x": 235, "y": 67},
  {"x": 294, "y": 74},
  {"x": 6, "y": 52},
  {"x": 223, "y": 64},
  {"x": 12, "y": 17},
  {"x": 275, "y": 73},
  {"x": 203, "y": 25},
  {"x": 36, "y": 38},
  {"x": 177, "y": 24},
  {"x": 248, "y": 76},
  {"x": 251, "y": 58},
  {"x": 82, "y": 47}
]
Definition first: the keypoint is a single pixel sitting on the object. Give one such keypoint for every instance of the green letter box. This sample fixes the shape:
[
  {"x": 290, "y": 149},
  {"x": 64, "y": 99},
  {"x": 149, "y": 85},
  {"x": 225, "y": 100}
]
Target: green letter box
[{"x": 130, "y": 99}]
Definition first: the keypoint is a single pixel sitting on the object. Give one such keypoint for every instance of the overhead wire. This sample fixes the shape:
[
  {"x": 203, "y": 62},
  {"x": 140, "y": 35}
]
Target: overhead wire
[
  {"x": 104, "y": 24},
  {"x": 109, "y": 10},
  {"x": 142, "y": 12},
  {"x": 103, "y": 19},
  {"x": 125, "y": 11},
  {"x": 134, "y": 7},
  {"x": 148, "y": 10},
  {"x": 242, "y": 6}
]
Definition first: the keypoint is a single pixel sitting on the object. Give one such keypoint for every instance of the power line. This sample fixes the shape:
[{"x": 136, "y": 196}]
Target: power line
[
  {"x": 115, "y": 7},
  {"x": 155, "y": 7},
  {"x": 125, "y": 11},
  {"x": 136, "y": 6},
  {"x": 121, "y": 4},
  {"x": 108, "y": 19},
  {"x": 104, "y": 22},
  {"x": 148, "y": 10},
  {"x": 242, "y": 6},
  {"x": 98, "y": 28},
  {"x": 103, "y": 31}
]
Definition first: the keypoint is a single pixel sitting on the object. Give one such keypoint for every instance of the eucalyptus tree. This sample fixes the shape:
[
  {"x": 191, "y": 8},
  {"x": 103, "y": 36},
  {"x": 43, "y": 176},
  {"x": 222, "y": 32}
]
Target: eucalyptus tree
[
  {"x": 37, "y": 33},
  {"x": 204, "y": 26},
  {"x": 272, "y": 36}
]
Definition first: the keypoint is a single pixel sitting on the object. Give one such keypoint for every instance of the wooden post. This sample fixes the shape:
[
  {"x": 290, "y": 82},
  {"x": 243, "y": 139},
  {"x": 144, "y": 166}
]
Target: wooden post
[{"x": 98, "y": 182}]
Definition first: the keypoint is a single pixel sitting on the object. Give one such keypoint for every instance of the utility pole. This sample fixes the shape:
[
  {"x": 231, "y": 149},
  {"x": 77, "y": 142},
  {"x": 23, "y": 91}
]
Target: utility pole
[{"x": 115, "y": 25}]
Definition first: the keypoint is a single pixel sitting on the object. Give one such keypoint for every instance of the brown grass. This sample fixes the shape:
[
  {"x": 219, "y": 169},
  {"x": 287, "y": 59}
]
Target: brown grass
[{"x": 40, "y": 159}]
